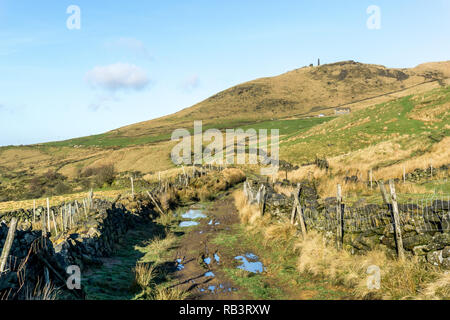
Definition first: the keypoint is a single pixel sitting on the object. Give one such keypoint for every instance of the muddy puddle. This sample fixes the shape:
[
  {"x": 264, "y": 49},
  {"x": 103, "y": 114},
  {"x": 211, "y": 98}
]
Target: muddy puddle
[
  {"x": 193, "y": 215},
  {"x": 250, "y": 263},
  {"x": 215, "y": 258}
]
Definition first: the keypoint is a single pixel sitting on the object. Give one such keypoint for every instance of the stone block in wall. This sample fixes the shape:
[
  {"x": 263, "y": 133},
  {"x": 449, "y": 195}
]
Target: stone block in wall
[
  {"x": 441, "y": 205},
  {"x": 388, "y": 242},
  {"x": 435, "y": 258},
  {"x": 446, "y": 252},
  {"x": 420, "y": 251},
  {"x": 409, "y": 243},
  {"x": 439, "y": 242}
]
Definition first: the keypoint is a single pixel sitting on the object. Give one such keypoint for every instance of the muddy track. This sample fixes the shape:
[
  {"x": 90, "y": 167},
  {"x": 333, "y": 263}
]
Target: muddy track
[
  {"x": 204, "y": 261},
  {"x": 205, "y": 280}
]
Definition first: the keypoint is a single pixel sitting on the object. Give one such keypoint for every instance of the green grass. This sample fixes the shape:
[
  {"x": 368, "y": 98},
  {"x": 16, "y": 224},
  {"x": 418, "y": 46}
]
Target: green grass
[
  {"x": 116, "y": 281},
  {"x": 111, "y": 139},
  {"x": 370, "y": 126},
  {"x": 281, "y": 280},
  {"x": 289, "y": 127}
]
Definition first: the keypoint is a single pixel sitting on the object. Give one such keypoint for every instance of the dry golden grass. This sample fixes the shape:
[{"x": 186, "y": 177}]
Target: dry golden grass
[
  {"x": 160, "y": 244},
  {"x": 144, "y": 275},
  {"x": 285, "y": 190},
  {"x": 166, "y": 219},
  {"x": 47, "y": 292},
  {"x": 438, "y": 155},
  {"x": 42, "y": 202},
  {"x": 248, "y": 214},
  {"x": 167, "y": 294},
  {"x": 305, "y": 88},
  {"x": 279, "y": 231},
  {"x": 233, "y": 176},
  {"x": 168, "y": 199},
  {"x": 165, "y": 174},
  {"x": 435, "y": 114},
  {"x": 303, "y": 173},
  {"x": 438, "y": 289},
  {"x": 399, "y": 280}
]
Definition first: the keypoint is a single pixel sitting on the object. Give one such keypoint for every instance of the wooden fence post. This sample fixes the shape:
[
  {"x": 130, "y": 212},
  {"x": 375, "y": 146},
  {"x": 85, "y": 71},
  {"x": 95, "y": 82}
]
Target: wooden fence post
[
  {"x": 250, "y": 193},
  {"x": 43, "y": 224},
  {"x": 48, "y": 215},
  {"x": 262, "y": 199},
  {"x": 246, "y": 190},
  {"x": 34, "y": 211},
  {"x": 299, "y": 209},
  {"x": 132, "y": 187},
  {"x": 54, "y": 223},
  {"x": 84, "y": 207},
  {"x": 155, "y": 203},
  {"x": 339, "y": 217},
  {"x": 384, "y": 193},
  {"x": 91, "y": 200},
  {"x": 397, "y": 223},
  {"x": 404, "y": 174},
  {"x": 62, "y": 220},
  {"x": 8, "y": 244}
]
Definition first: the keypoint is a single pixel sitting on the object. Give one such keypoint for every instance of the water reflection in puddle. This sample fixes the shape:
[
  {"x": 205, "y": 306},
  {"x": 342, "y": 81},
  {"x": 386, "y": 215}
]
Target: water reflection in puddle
[
  {"x": 250, "y": 266},
  {"x": 192, "y": 214},
  {"x": 180, "y": 266},
  {"x": 208, "y": 260},
  {"x": 186, "y": 224},
  {"x": 213, "y": 223}
]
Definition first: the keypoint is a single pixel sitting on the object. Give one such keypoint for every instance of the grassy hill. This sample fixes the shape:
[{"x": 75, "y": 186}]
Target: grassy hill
[
  {"x": 403, "y": 135},
  {"x": 397, "y": 114},
  {"x": 307, "y": 91}
]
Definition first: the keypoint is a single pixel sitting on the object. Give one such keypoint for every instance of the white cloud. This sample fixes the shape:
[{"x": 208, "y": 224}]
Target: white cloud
[
  {"x": 191, "y": 83},
  {"x": 118, "y": 76}
]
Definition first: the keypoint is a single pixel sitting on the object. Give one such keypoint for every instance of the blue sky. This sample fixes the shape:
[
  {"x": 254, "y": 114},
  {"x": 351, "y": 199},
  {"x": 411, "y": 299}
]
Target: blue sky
[{"x": 137, "y": 60}]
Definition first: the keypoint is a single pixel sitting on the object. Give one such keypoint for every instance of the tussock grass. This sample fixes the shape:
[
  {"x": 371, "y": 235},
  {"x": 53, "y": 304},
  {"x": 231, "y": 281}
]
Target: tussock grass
[
  {"x": 399, "y": 279},
  {"x": 233, "y": 176},
  {"x": 166, "y": 219},
  {"x": 285, "y": 190},
  {"x": 144, "y": 275},
  {"x": 279, "y": 231},
  {"x": 160, "y": 244},
  {"x": 48, "y": 292},
  {"x": 174, "y": 294},
  {"x": 168, "y": 199},
  {"x": 249, "y": 214},
  {"x": 438, "y": 289}
]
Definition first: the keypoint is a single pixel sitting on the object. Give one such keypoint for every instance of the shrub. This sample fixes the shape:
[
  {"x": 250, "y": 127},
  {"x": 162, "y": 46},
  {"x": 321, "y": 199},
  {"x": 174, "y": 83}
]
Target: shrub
[
  {"x": 62, "y": 188},
  {"x": 105, "y": 175}
]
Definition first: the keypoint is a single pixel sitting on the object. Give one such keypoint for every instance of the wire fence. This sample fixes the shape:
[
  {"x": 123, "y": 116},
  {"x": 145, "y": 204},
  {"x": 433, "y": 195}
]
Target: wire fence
[{"x": 423, "y": 216}]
